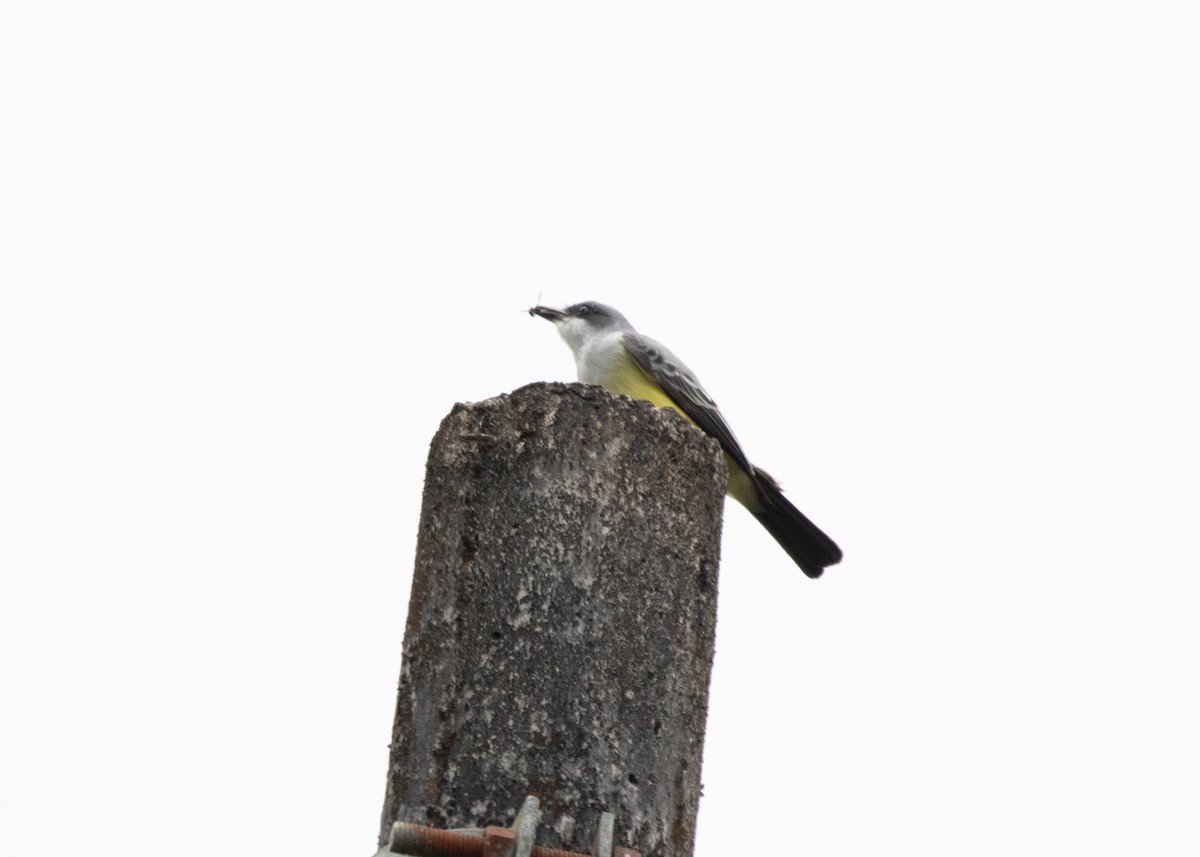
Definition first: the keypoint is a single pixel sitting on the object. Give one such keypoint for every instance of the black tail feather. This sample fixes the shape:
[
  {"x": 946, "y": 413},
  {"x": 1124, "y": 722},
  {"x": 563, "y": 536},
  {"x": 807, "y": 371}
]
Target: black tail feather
[{"x": 804, "y": 541}]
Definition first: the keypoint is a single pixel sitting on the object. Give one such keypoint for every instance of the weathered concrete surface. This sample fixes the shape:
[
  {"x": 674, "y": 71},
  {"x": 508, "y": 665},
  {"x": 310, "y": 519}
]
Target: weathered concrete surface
[{"x": 560, "y": 629}]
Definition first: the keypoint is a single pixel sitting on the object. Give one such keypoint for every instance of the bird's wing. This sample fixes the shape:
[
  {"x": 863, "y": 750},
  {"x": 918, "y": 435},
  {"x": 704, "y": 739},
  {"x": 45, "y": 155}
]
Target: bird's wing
[{"x": 678, "y": 382}]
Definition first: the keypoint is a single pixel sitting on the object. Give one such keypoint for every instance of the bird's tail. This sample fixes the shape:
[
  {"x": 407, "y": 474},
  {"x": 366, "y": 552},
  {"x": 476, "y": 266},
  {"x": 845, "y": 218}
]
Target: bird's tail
[{"x": 804, "y": 541}]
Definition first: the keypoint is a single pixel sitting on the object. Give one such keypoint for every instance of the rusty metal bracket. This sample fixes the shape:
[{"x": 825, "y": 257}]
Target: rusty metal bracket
[{"x": 415, "y": 840}]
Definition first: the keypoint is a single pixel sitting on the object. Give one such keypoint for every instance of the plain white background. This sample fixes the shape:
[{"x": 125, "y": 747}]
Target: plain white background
[{"x": 937, "y": 262}]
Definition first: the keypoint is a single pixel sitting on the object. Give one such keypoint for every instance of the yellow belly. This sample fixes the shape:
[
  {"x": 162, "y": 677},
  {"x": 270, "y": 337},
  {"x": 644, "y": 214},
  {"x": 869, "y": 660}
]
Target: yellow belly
[{"x": 627, "y": 378}]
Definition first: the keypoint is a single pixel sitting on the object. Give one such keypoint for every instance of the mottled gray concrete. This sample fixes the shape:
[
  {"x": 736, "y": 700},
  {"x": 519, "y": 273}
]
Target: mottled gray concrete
[{"x": 560, "y": 629}]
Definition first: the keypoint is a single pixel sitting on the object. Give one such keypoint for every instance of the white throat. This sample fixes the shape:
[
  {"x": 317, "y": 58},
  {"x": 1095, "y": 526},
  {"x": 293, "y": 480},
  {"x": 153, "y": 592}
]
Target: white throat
[{"x": 596, "y": 352}]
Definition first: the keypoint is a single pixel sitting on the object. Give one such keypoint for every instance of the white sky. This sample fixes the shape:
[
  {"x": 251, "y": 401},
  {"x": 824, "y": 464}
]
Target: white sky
[{"x": 937, "y": 262}]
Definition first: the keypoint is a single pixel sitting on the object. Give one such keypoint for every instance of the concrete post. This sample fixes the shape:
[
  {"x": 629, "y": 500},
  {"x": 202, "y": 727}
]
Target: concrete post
[{"x": 560, "y": 629}]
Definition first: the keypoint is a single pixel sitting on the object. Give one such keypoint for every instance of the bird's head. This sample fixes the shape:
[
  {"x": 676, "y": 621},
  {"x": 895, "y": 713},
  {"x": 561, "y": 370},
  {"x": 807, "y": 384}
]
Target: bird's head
[{"x": 580, "y": 322}]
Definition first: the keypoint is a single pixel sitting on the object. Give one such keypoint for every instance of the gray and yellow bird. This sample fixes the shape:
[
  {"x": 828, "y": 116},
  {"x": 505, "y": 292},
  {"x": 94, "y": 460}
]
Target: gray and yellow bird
[{"x": 610, "y": 353}]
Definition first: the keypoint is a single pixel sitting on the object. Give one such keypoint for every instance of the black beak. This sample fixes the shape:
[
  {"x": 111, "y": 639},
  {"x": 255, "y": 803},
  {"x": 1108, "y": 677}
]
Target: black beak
[{"x": 548, "y": 313}]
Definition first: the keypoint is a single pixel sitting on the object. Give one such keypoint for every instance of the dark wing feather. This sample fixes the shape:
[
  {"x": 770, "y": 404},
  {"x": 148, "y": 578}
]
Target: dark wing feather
[
  {"x": 807, "y": 545},
  {"x": 681, "y": 385}
]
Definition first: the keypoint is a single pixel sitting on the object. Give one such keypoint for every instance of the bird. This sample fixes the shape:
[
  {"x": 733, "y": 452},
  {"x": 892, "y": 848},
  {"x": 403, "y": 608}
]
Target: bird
[{"x": 610, "y": 353}]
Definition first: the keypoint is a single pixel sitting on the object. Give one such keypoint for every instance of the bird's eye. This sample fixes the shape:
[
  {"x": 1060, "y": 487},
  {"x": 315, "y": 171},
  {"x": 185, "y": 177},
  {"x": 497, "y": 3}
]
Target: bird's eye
[{"x": 584, "y": 310}]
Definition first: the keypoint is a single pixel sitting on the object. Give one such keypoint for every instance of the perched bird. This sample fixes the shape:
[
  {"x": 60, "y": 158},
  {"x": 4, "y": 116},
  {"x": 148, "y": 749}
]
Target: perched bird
[{"x": 610, "y": 353}]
